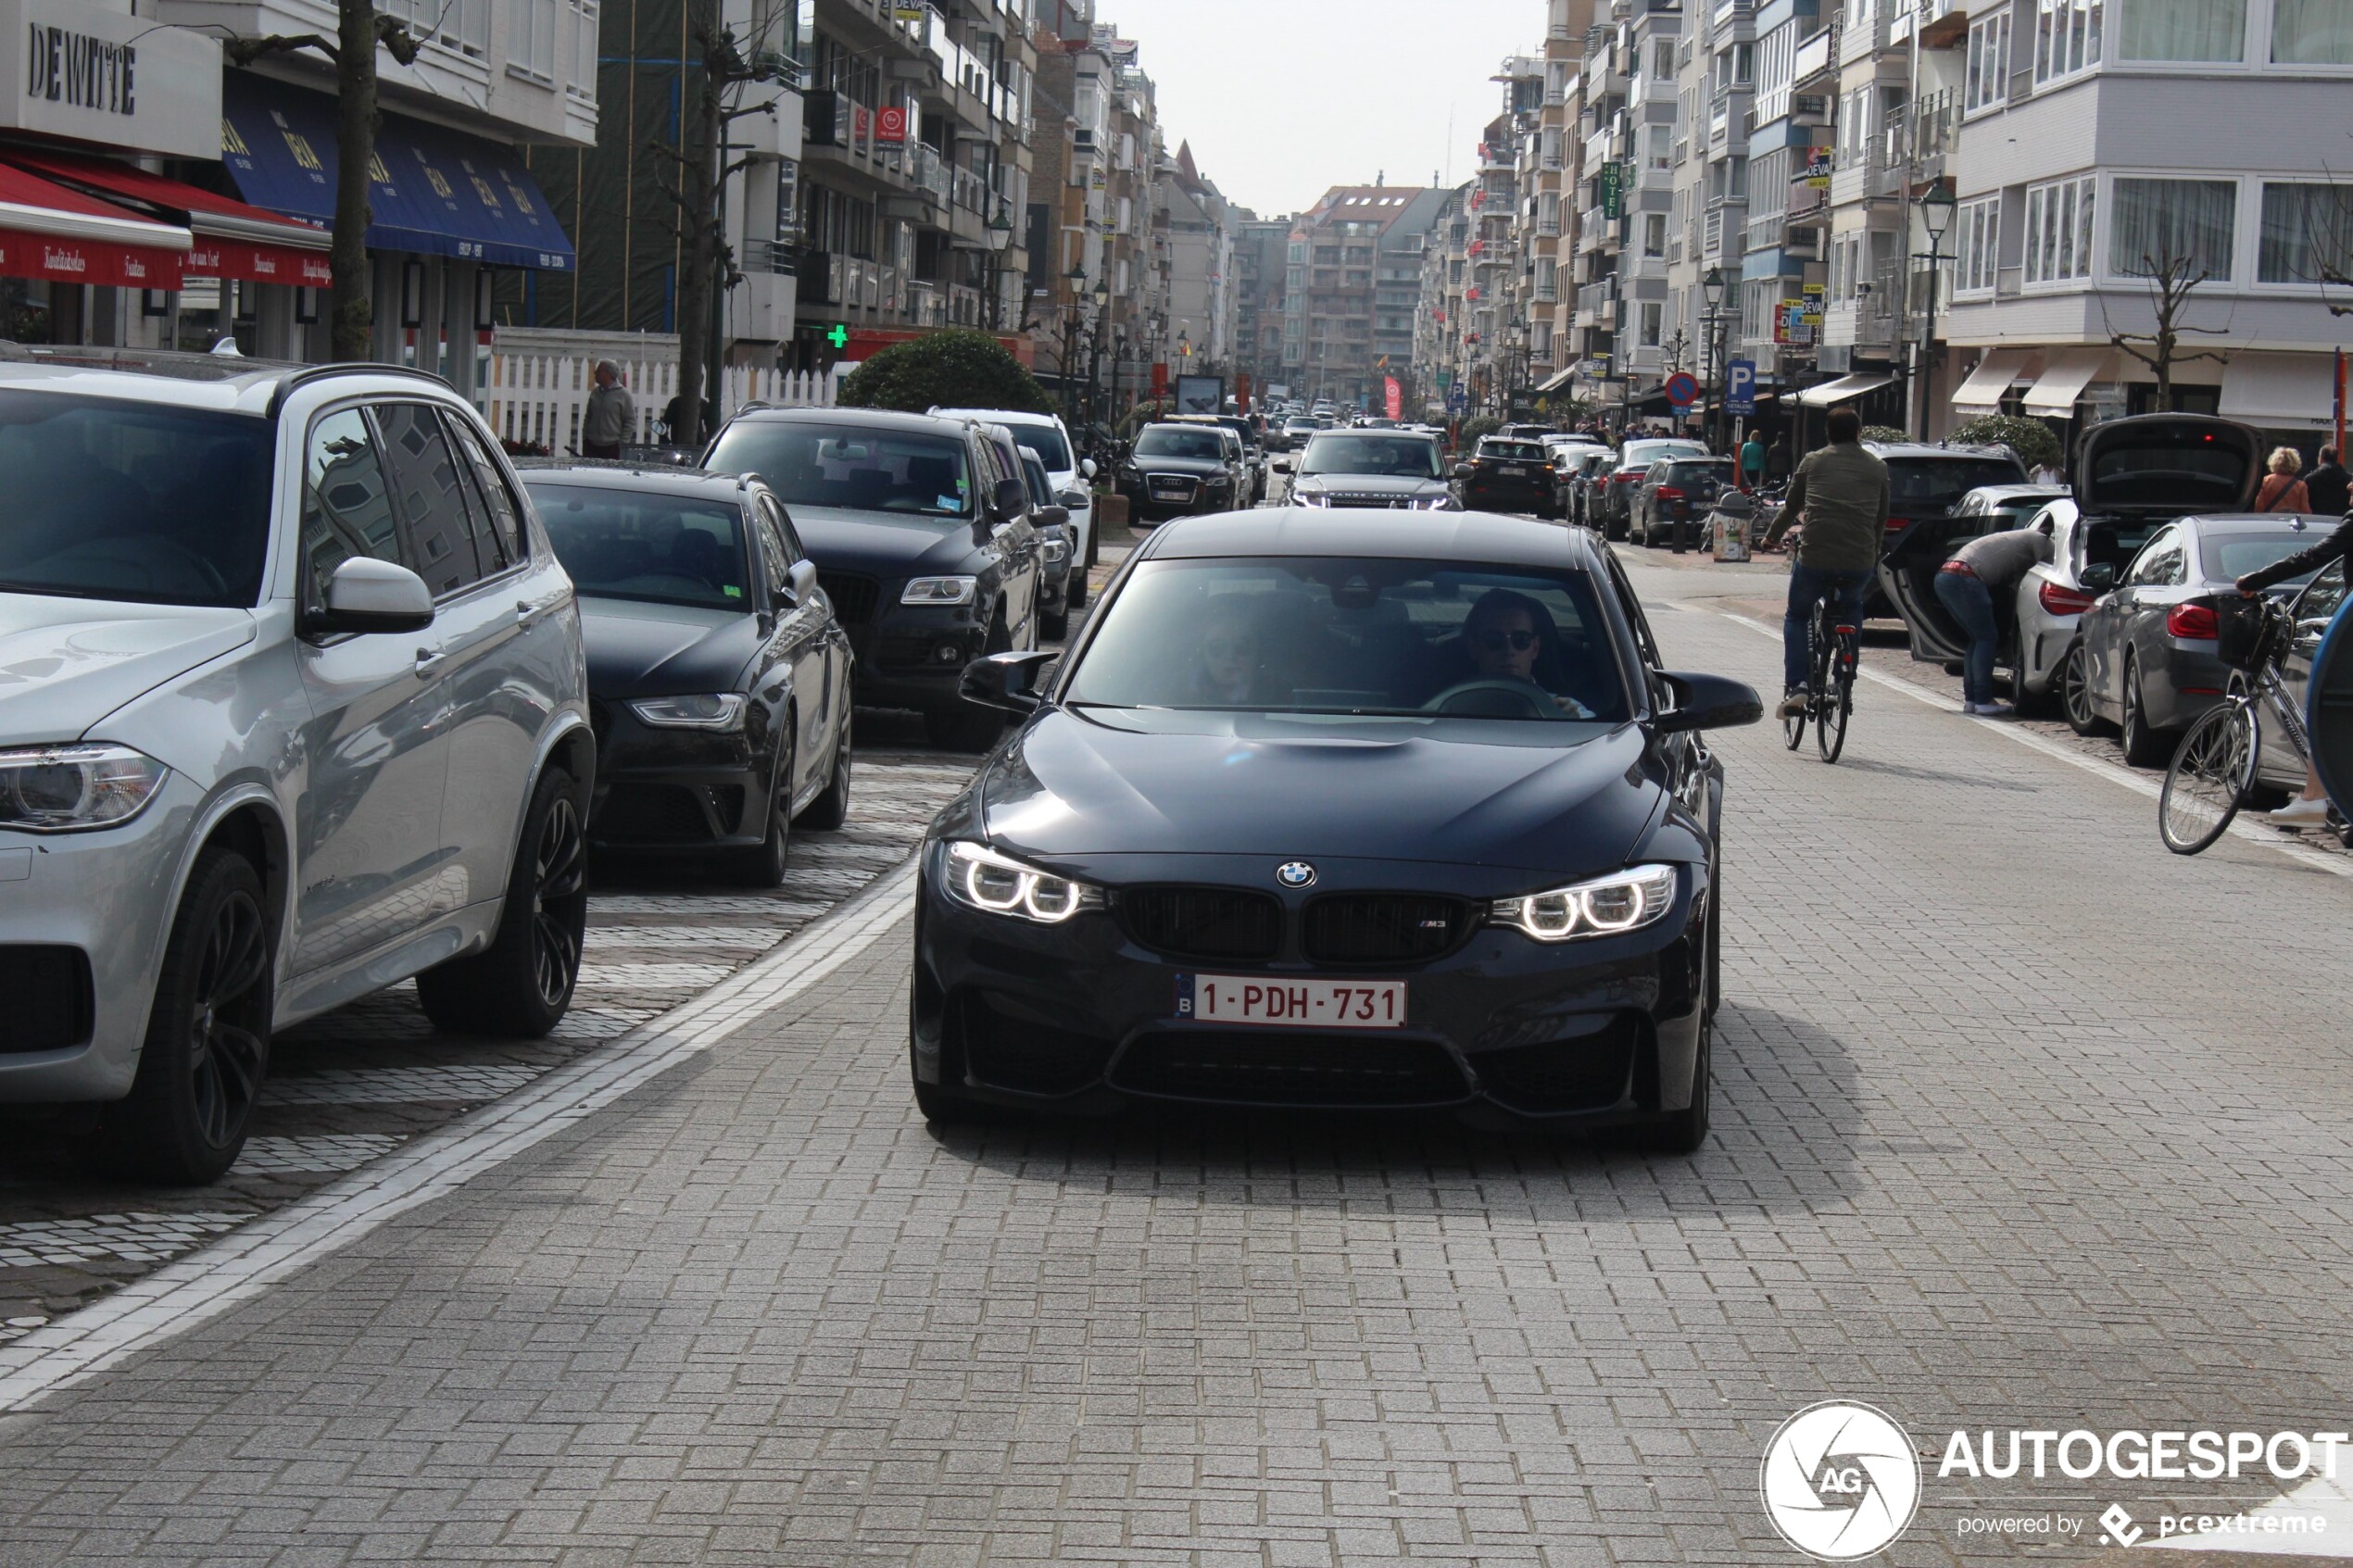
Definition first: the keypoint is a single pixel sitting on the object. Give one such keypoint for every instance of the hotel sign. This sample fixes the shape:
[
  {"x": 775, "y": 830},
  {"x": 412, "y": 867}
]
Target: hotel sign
[{"x": 73, "y": 69}]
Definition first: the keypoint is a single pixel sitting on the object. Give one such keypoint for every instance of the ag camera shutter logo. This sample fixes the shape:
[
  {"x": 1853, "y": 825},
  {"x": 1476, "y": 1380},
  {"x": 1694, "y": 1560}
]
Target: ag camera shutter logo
[{"x": 1839, "y": 1480}]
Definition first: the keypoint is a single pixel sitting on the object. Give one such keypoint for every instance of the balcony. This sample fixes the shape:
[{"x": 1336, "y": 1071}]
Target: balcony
[{"x": 1548, "y": 228}]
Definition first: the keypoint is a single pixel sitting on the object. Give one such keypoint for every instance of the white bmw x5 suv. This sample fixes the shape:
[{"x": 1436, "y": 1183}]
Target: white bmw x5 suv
[{"x": 292, "y": 707}]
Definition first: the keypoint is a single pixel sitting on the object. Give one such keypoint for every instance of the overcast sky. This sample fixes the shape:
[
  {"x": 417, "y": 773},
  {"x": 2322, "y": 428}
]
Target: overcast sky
[{"x": 1283, "y": 98}]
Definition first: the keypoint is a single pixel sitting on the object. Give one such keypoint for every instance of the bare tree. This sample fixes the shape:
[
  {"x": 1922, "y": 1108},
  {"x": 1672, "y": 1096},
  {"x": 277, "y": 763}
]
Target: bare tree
[
  {"x": 361, "y": 30},
  {"x": 2172, "y": 278},
  {"x": 700, "y": 183}
]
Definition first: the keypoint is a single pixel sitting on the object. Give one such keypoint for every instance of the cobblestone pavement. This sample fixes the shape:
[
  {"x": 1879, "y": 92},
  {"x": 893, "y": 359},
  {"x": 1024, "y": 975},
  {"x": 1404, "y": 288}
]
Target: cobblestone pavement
[{"x": 2022, "y": 1123}]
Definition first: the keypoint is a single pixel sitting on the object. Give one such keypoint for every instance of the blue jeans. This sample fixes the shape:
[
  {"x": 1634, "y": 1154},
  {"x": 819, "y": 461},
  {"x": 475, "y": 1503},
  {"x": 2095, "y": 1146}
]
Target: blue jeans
[
  {"x": 1972, "y": 605},
  {"x": 1806, "y": 587}
]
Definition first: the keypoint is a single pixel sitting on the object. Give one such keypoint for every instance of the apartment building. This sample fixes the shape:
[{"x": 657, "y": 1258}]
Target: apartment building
[
  {"x": 1783, "y": 245},
  {"x": 1551, "y": 217},
  {"x": 1194, "y": 223},
  {"x": 1333, "y": 314},
  {"x": 1706, "y": 225},
  {"x": 1260, "y": 249},
  {"x": 1440, "y": 362}
]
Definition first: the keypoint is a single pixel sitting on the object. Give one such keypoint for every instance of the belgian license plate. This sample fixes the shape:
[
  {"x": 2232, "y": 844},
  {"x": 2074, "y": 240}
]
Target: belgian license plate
[
  {"x": 1512, "y": 471},
  {"x": 1296, "y": 1004}
]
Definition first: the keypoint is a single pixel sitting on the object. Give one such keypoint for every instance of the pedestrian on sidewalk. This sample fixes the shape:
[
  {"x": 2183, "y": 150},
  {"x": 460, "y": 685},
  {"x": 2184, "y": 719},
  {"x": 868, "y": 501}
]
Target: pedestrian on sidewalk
[
  {"x": 611, "y": 414},
  {"x": 2309, "y": 810},
  {"x": 2325, "y": 485},
  {"x": 2283, "y": 492},
  {"x": 1983, "y": 574},
  {"x": 1753, "y": 461},
  {"x": 1840, "y": 493}
]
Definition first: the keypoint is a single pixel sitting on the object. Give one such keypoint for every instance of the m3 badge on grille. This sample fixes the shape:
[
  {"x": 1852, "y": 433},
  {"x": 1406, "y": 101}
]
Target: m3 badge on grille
[{"x": 1295, "y": 874}]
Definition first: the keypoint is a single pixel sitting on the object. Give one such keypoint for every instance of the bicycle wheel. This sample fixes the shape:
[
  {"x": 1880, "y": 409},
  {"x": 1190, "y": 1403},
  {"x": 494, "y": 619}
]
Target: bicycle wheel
[
  {"x": 1793, "y": 729},
  {"x": 2212, "y": 771},
  {"x": 1830, "y": 719}
]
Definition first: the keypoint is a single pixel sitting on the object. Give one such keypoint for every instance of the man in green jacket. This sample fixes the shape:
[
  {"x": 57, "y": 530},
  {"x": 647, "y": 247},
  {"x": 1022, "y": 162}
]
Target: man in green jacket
[{"x": 1840, "y": 493}]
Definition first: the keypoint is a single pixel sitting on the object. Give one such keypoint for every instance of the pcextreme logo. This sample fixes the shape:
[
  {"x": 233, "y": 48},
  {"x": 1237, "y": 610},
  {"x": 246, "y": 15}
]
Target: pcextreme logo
[{"x": 1839, "y": 1480}]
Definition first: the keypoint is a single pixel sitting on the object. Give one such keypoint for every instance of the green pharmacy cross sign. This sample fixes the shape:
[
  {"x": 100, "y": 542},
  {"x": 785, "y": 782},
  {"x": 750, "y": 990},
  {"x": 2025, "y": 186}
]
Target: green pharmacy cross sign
[{"x": 839, "y": 337}]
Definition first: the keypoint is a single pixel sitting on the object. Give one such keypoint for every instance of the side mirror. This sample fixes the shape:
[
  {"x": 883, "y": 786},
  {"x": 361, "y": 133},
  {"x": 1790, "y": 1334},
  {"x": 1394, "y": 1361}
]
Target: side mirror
[
  {"x": 1074, "y": 499},
  {"x": 2099, "y": 577},
  {"x": 1005, "y": 680},
  {"x": 1461, "y": 471},
  {"x": 1282, "y": 465},
  {"x": 1009, "y": 500},
  {"x": 1707, "y": 702},
  {"x": 366, "y": 595},
  {"x": 800, "y": 580},
  {"x": 1050, "y": 517},
  {"x": 1087, "y": 467}
]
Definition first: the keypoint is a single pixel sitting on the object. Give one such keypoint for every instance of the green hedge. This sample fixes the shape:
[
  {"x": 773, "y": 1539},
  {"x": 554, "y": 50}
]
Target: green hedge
[
  {"x": 949, "y": 368},
  {"x": 2029, "y": 438}
]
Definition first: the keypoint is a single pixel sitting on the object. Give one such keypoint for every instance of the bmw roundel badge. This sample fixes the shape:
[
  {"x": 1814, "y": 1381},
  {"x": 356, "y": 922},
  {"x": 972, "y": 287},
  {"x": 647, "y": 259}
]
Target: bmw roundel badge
[{"x": 1295, "y": 874}]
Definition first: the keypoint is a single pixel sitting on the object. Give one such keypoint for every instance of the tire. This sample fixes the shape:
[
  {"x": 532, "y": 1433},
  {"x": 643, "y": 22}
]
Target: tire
[
  {"x": 1685, "y": 1130},
  {"x": 1793, "y": 731},
  {"x": 944, "y": 1107},
  {"x": 967, "y": 726},
  {"x": 522, "y": 984},
  {"x": 2213, "y": 772},
  {"x": 831, "y": 808},
  {"x": 1076, "y": 597},
  {"x": 762, "y": 865},
  {"x": 2075, "y": 683},
  {"x": 206, "y": 1047},
  {"x": 1829, "y": 721},
  {"x": 1094, "y": 545},
  {"x": 1055, "y": 626},
  {"x": 2144, "y": 746}
]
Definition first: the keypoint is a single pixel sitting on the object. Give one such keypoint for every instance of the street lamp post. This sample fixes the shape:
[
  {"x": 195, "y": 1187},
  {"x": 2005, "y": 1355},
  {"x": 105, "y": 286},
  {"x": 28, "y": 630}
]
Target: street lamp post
[
  {"x": 1073, "y": 323},
  {"x": 1714, "y": 284},
  {"x": 1000, "y": 229},
  {"x": 1936, "y": 206}
]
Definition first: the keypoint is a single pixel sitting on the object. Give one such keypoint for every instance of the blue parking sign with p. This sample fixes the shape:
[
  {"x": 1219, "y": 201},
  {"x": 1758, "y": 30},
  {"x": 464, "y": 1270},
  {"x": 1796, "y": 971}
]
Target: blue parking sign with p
[{"x": 1740, "y": 386}]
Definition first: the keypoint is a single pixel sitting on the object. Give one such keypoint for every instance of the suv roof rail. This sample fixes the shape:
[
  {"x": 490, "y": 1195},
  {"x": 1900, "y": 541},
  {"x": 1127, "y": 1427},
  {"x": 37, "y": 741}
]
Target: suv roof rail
[{"x": 309, "y": 373}]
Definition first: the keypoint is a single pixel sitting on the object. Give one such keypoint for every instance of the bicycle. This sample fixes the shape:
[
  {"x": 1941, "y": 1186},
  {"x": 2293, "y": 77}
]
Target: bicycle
[
  {"x": 2213, "y": 769},
  {"x": 1830, "y": 691}
]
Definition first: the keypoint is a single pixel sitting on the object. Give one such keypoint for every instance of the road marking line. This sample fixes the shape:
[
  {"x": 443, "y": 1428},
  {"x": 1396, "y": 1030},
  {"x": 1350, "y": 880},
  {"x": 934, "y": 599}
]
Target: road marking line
[
  {"x": 154, "y": 1310},
  {"x": 2115, "y": 773}
]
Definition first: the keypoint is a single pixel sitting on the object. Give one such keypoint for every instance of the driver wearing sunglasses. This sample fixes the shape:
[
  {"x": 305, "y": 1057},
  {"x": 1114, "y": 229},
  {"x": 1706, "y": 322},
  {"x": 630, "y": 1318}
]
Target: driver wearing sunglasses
[{"x": 1511, "y": 637}]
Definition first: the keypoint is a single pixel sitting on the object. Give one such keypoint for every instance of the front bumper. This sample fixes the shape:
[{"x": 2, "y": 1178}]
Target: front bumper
[
  {"x": 912, "y": 656},
  {"x": 674, "y": 788},
  {"x": 101, "y": 905},
  {"x": 1081, "y": 1019},
  {"x": 1166, "y": 495}
]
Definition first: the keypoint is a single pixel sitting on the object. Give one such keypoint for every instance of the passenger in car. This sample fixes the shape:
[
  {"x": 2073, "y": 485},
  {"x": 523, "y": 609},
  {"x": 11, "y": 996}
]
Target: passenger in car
[{"x": 1230, "y": 671}]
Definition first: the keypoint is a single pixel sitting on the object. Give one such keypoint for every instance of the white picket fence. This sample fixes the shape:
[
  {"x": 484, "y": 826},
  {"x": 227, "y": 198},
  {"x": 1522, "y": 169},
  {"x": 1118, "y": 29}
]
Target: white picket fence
[{"x": 536, "y": 387}]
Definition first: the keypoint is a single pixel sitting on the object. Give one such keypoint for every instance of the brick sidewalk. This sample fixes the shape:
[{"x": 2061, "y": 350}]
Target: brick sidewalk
[{"x": 1971, "y": 1170}]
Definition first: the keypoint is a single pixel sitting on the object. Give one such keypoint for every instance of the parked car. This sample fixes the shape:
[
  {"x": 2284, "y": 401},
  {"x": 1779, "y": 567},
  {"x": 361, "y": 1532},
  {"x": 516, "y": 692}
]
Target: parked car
[
  {"x": 1387, "y": 467},
  {"x": 1582, "y": 469},
  {"x": 923, "y": 542},
  {"x": 1678, "y": 492},
  {"x": 1487, "y": 878},
  {"x": 1061, "y": 574},
  {"x": 1176, "y": 469},
  {"x": 2314, "y": 606},
  {"x": 718, "y": 678},
  {"x": 1924, "y": 487},
  {"x": 1071, "y": 475},
  {"x": 1255, "y": 469},
  {"x": 1908, "y": 571},
  {"x": 1508, "y": 476},
  {"x": 300, "y": 712},
  {"x": 1527, "y": 432},
  {"x": 2148, "y": 648},
  {"x": 1615, "y": 494}
]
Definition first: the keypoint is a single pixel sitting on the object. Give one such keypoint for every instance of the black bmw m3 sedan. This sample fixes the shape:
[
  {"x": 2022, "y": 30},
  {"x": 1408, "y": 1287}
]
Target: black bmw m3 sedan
[{"x": 1337, "y": 811}]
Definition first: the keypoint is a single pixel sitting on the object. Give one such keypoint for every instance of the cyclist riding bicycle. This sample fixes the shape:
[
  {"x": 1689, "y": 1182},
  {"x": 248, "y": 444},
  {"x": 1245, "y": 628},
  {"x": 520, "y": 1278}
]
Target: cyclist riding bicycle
[
  {"x": 1841, "y": 492},
  {"x": 2311, "y": 808}
]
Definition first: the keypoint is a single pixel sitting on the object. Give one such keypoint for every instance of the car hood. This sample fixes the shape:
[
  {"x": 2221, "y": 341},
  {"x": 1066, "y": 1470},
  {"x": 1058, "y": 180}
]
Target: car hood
[
  {"x": 65, "y": 664},
  {"x": 885, "y": 543},
  {"x": 1370, "y": 484},
  {"x": 1179, "y": 465},
  {"x": 664, "y": 650},
  {"x": 1153, "y": 782},
  {"x": 2127, "y": 467}
]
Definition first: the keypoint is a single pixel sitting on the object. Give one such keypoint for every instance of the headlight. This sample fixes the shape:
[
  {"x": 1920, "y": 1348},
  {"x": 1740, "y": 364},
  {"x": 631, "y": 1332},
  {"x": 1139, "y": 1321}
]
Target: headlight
[
  {"x": 939, "y": 591},
  {"x": 1054, "y": 550},
  {"x": 1604, "y": 907},
  {"x": 1434, "y": 503},
  {"x": 716, "y": 711},
  {"x": 70, "y": 788},
  {"x": 1312, "y": 498},
  {"x": 982, "y": 878}
]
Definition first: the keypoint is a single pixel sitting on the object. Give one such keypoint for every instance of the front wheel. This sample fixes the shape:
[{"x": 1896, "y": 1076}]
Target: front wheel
[
  {"x": 831, "y": 808},
  {"x": 762, "y": 865},
  {"x": 2213, "y": 772},
  {"x": 522, "y": 984}
]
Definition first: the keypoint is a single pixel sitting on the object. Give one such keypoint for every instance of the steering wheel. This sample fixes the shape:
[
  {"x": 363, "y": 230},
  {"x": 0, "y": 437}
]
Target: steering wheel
[{"x": 1532, "y": 700}]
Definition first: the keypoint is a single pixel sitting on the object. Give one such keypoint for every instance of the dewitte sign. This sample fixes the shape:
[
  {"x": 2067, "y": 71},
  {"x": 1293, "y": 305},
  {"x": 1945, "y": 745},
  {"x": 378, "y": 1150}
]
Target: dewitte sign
[{"x": 100, "y": 76}]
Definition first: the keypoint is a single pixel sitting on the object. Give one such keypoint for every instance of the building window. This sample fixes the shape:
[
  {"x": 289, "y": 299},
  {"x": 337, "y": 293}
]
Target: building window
[
  {"x": 2059, "y": 230},
  {"x": 2306, "y": 233},
  {"x": 1986, "y": 77},
  {"x": 1653, "y": 234},
  {"x": 2209, "y": 31},
  {"x": 1979, "y": 250},
  {"x": 2155, "y": 223},
  {"x": 2067, "y": 37},
  {"x": 532, "y": 47},
  {"x": 2312, "y": 32},
  {"x": 1652, "y": 316},
  {"x": 462, "y": 25},
  {"x": 1663, "y": 58},
  {"x": 583, "y": 81}
]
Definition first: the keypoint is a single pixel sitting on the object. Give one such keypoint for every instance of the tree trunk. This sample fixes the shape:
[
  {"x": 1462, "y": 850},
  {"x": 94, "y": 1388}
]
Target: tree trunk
[
  {"x": 699, "y": 180},
  {"x": 351, "y": 315}
]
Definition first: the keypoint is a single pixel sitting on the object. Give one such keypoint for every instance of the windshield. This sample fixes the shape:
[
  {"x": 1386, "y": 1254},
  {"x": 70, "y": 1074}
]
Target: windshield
[
  {"x": 2229, "y": 556},
  {"x": 2205, "y": 475},
  {"x": 1403, "y": 457},
  {"x": 1354, "y": 636},
  {"x": 120, "y": 500},
  {"x": 1165, "y": 440},
  {"x": 1047, "y": 443},
  {"x": 844, "y": 467},
  {"x": 655, "y": 548},
  {"x": 1937, "y": 484}
]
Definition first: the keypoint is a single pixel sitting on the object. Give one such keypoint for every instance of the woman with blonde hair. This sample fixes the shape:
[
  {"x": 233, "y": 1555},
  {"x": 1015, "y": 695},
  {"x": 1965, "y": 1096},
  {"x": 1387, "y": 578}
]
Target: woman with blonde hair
[{"x": 2283, "y": 492}]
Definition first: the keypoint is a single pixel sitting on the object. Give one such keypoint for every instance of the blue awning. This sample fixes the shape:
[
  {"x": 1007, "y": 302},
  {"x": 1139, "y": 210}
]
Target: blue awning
[{"x": 436, "y": 192}]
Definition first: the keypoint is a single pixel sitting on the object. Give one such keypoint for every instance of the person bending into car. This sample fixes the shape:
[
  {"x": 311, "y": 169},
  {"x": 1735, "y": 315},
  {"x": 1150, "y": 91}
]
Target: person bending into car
[
  {"x": 1983, "y": 574},
  {"x": 2311, "y": 808},
  {"x": 1840, "y": 492}
]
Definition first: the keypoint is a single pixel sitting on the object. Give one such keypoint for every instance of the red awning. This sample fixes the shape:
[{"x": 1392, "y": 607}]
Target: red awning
[
  {"x": 232, "y": 239},
  {"x": 49, "y": 232}
]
